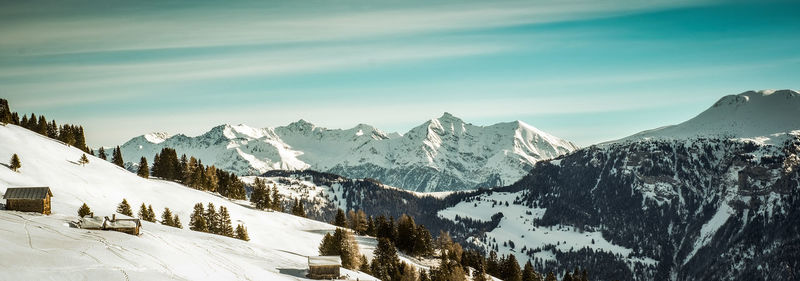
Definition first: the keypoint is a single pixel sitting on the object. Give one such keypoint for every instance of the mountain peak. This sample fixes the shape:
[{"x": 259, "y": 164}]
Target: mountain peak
[
  {"x": 745, "y": 115},
  {"x": 447, "y": 117},
  {"x": 157, "y": 137},
  {"x": 301, "y": 125}
]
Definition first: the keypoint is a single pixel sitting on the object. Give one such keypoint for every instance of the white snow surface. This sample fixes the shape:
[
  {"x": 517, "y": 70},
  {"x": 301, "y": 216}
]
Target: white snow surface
[
  {"x": 447, "y": 143},
  {"x": 746, "y": 115},
  {"x": 519, "y": 226},
  {"x": 36, "y": 247}
]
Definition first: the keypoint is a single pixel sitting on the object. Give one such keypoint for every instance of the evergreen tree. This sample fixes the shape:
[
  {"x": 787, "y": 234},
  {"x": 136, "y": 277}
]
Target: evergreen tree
[
  {"x": 116, "y": 158},
  {"x": 277, "y": 200},
  {"x": 84, "y": 160},
  {"x": 492, "y": 264},
  {"x": 41, "y": 127},
  {"x": 406, "y": 233},
  {"x": 177, "y": 222},
  {"x": 52, "y": 130},
  {"x": 511, "y": 271},
  {"x": 226, "y": 228},
  {"x": 15, "y": 163},
  {"x": 80, "y": 139},
  {"x": 144, "y": 170},
  {"x": 479, "y": 275},
  {"x": 124, "y": 208},
  {"x": 84, "y": 210},
  {"x": 371, "y": 230},
  {"x": 384, "y": 262},
  {"x": 550, "y": 277},
  {"x": 297, "y": 208},
  {"x": 260, "y": 195},
  {"x": 197, "y": 221},
  {"x": 101, "y": 153},
  {"x": 151, "y": 215},
  {"x": 528, "y": 274},
  {"x": 328, "y": 246},
  {"x": 360, "y": 222},
  {"x": 241, "y": 233},
  {"x": 340, "y": 220},
  {"x": 364, "y": 265},
  {"x": 212, "y": 219},
  {"x": 423, "y": 242},
  {"x": 166, "y": 218},
  {"x": 143, "y": 213}
]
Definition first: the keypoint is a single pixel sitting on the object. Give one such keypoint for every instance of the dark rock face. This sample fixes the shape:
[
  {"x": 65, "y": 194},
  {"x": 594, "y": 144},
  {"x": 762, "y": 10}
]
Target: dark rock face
[{"x": 703, "y": 209}]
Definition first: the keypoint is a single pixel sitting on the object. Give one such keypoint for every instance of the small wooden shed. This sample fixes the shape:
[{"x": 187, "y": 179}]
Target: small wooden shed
[
  {"x": 28, "y": 199},
  {"x": 324, "y": 267},
  {"x": 129, "y": 226}
]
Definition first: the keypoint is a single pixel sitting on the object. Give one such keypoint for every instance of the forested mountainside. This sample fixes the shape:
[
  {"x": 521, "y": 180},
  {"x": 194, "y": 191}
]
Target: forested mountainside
[
  {"x": 706, "y": 209},
  {"x": 442, "y": 154}
]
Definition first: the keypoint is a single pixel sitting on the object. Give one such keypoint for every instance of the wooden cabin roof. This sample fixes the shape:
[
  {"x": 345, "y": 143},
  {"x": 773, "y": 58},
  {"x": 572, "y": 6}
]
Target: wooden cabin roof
[
  {"x": 27, "y": 193},
  {"x": 325, "y": 261}
]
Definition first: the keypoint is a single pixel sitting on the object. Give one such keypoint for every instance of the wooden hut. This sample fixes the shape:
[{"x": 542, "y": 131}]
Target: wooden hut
[
  {"x": 324, "y": 267},
  {"x": 129, "y": 226},
  {"x": 28, "y": 199}
]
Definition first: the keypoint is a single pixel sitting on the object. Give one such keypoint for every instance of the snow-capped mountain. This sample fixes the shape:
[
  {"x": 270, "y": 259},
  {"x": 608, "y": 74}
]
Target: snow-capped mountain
[
  {"x": 445, "y": 153},
  {"x": 746, "y": 115}
]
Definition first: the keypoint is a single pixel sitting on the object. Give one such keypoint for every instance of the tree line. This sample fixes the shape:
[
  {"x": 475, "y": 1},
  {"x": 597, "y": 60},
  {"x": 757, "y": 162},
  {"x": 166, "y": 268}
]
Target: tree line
[
  {"x": 191, "y": 172},
  {"x": 72, "y": 135}
]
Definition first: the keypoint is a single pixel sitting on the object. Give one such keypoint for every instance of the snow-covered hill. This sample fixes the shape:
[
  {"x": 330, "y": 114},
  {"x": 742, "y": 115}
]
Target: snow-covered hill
[
  {"x": 442, "y": 154},
  {"x": 746, "y": 115},
  {"x": 36, "y": 247}
]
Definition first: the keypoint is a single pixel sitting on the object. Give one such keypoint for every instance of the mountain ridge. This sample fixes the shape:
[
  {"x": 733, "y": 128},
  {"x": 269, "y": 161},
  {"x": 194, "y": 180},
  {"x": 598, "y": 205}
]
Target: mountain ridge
[{"x": 444, "y": 153}]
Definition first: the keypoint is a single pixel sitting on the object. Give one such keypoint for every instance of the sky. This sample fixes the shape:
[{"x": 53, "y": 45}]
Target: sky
[{"x": 584, "y": 70}]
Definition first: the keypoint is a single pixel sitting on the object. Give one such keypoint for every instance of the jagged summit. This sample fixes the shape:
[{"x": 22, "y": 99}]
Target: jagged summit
[
  {"x": 444, "y": 153},
  {"x": 745, "y": 115}
]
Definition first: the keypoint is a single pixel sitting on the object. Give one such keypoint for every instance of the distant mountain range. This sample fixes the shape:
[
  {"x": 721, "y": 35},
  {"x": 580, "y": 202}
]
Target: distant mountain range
[{"x": 445, "y": 153}]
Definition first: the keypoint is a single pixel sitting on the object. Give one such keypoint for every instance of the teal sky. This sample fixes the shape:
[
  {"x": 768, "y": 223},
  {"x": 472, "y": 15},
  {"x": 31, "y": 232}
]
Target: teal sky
[{"x": 586, "y": 71}]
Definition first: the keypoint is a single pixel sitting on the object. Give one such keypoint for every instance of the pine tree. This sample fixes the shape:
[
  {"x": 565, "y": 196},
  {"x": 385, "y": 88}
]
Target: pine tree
[
  {"x": 15, "y": 163},
  {"x": 101, "y": 153},
  {"x": 384, "y": 262},
  {"x": 177, "y": 222},
  {"x": 124, "y": 208},
  {"x": 511, "y": 271},
  {"x": 479, "y": 275},
  {"x": 550, "y": 277},
  {"x": 84, "y": 160},
  {"x": 364, "y": 265},
  {"x": 297, "y": 208},
  {"x": 41, "y": 127},
  {"x": 340, "y": 220},
  {"x": 528, "y": 274},
  {"x": 423, "y": 242},
  {"x": 166, "y": 218},
  {"x": 143, "y": 213},
  {"x": 348, "y": 249},
  {"x": 84, "y": 210},
  {"x": 277, "y": 199},
  {"x": 226, "y": 228},
  {"x": 406, "y": 233},
  {"x": 151, "y": 216},
  {"x": 143, "y": 171},
  {"x": 260, "y": 195},
  {"x": 212, "y": 219},
  {"x": 241, "y": 233},
  {"x": 197, "y": 221},
  {"x": 52, "y": 130},
  {"x": 116, "y": 158}
]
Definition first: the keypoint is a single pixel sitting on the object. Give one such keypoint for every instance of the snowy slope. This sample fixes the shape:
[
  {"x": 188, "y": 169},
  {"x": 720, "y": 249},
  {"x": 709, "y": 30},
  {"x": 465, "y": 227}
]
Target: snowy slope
[
  {"x": 746, "y": 115},
  {"x": 33, "y": 244},
  {"x": 442, "y": 154}
]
